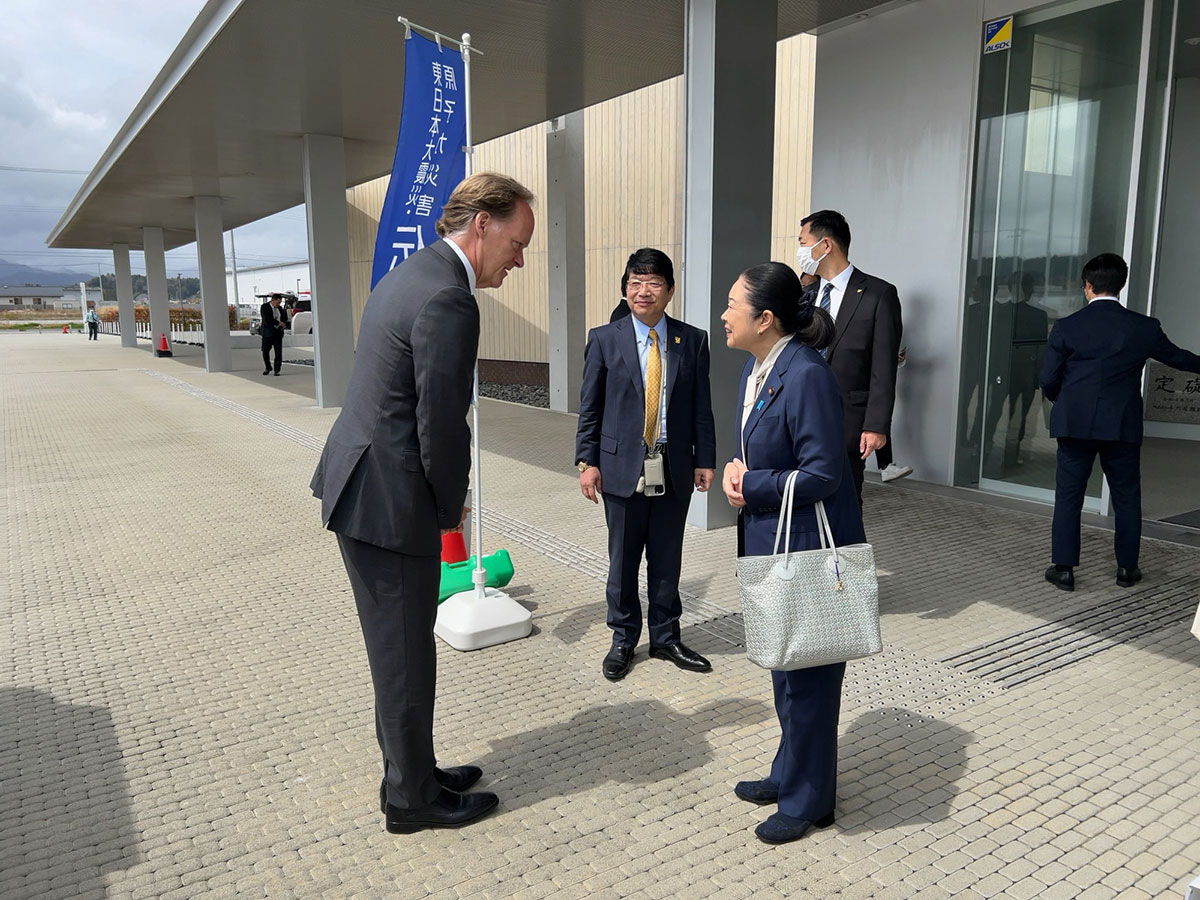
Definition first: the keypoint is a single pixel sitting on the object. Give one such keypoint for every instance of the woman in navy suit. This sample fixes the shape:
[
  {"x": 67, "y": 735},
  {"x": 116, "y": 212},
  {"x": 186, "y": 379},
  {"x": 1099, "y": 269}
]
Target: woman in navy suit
[{"x": 790, "y": 417}]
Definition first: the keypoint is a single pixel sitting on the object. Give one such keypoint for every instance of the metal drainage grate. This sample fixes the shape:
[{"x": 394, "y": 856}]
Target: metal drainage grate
[
  {"x": 1035, "y": 652},
  {"x": 721, "y": 623}
]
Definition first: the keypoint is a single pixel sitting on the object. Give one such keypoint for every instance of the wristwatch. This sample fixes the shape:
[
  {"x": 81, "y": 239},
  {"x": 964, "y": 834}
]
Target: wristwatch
[{"x": 583, "y": 466}]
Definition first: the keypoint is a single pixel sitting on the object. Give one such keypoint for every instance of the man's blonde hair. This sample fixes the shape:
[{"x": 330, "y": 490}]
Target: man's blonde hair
[{"x": 488, "y": 192}]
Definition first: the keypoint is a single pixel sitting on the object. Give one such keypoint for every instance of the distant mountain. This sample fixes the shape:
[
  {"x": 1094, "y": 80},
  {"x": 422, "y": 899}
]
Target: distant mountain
[{"x": 13, "y": 274}]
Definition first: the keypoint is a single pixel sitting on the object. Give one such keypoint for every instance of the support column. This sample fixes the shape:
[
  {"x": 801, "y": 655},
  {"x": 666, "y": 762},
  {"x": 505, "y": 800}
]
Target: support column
[
  {"x": 328, "y": 266},
  {"x": 729, "y": 77},
  {"x": 124, "y": 278},
  {"x": 156, "y": 285},
  {"x": 210, "y": 250},
  {"x": 565, "y": 258}
]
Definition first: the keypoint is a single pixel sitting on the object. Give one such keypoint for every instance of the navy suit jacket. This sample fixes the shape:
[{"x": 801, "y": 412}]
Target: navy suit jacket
[
  {"x": 612, "y": 406},
  {"x": 1092, "y": 370},
  {"x": 796, "y": 424}
]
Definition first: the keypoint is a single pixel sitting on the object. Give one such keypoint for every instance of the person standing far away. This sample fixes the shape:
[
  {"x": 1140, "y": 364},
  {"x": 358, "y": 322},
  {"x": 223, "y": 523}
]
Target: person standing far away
[
  {"x": 1092, "y": 371},
  {"x": 271, "y": 326}
]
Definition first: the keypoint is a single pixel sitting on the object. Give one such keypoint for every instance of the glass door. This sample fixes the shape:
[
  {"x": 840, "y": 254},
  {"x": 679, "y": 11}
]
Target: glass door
[{"x": 1054, "y": 152}]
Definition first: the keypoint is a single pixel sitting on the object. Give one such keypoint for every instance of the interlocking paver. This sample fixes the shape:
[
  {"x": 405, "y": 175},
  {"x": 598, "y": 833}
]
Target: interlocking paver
[{"x": 182, "y": 670}]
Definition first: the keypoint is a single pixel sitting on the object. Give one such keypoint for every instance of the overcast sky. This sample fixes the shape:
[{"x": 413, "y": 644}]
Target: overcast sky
[{"x": 71, "y": 71}]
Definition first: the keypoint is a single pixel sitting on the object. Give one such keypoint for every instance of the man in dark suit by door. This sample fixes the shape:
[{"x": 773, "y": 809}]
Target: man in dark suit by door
[
  {"x": 393, "y": 477},
  {"x": 645, "y": 406},
  {"x": 866, "y": 344},
  {"x": 1092, "y": 370},
  {"x": 271, "y": 326}
]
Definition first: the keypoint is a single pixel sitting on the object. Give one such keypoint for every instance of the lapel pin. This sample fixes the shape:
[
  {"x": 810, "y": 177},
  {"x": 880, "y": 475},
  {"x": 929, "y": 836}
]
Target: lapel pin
[
  {"x": 760, "y": 403},
  {"x": 677, "y": 340},
  {"x": 770, "y": 392}
]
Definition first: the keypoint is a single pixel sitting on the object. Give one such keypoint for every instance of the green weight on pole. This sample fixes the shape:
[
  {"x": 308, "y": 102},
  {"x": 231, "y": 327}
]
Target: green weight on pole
[{"x": 458, "y": 577}]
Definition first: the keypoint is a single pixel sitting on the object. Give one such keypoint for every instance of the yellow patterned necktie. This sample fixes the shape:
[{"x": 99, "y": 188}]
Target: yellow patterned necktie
[{"x": 653, "y": 389}]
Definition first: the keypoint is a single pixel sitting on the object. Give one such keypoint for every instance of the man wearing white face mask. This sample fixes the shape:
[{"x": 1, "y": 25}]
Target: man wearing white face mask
[{"x": 866, "y": 344}]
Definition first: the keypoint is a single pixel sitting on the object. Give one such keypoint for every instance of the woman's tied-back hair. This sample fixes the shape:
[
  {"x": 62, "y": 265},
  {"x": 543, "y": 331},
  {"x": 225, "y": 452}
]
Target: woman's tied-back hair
[
  {"x": 489, "y": 192},
  {"x": 775, "y": 287}
]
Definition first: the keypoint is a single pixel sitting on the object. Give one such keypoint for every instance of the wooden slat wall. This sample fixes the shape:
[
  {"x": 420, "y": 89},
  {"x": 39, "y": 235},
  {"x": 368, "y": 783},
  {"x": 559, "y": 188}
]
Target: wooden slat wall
[
  {"x": 364, "y": 205},
  {"x": 515, "y": 319},
  {"x": 633, "y": 187},
  {"x": 795, "y": 75},
  {"x": 633, "y": 191}
]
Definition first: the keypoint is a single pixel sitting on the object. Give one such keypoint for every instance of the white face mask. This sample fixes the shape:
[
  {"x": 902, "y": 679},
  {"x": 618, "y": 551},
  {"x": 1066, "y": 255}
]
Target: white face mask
[{"x": 805, "y": 261}]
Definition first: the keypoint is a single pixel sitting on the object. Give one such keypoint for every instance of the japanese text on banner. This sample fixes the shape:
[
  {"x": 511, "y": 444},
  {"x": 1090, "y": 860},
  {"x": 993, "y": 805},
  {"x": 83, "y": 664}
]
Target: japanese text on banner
[{"x": 429, "y": 160}]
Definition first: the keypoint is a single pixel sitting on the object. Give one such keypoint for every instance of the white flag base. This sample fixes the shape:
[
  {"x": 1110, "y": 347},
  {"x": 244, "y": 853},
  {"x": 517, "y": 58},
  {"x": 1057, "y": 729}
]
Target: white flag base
[{"x": 468, "y": 622}]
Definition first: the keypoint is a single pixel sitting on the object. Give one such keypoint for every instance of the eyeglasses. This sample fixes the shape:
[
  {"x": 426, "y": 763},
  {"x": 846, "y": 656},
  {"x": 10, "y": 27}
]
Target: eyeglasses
[{"x": 654, "y": 284}]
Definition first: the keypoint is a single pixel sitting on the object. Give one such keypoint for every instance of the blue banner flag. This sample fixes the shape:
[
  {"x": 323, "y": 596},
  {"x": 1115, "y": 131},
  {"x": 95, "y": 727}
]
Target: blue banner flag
[{"x": 430, "y": 161}]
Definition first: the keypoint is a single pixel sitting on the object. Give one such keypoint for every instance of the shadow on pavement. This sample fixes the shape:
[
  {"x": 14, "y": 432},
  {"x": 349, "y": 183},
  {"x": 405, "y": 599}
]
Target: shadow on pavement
[
  {"x": 634, "y": 743},
  {"x": 898, "y": 766},
  {"x": 65, "y": 813}
]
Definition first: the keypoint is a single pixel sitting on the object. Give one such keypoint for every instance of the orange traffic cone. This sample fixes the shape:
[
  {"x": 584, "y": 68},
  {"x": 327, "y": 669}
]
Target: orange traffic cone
[
  {"x": 454, "y": 548},
  {"x": 163, "y": 349},
  {"x": 64, "y": 329}
]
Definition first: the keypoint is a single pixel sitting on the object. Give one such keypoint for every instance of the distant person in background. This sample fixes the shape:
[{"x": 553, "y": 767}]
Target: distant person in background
[
  {"x": 888, "y": 470},
  {"x": 866, "y": 341},
  {"x": 93, "y": 324},
  {"x": 274, "y": 321},
  {"x": 1092, "y": 371}
]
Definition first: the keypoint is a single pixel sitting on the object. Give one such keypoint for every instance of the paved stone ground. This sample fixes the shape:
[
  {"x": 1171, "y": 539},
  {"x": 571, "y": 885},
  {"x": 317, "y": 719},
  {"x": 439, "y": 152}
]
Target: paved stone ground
[{"x": 185, "y": 707}]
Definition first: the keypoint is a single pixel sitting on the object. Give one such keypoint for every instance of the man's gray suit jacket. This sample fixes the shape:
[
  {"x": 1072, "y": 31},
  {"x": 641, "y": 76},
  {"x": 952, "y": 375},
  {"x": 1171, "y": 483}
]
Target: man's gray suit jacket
[{"x": 395, "y": 467}]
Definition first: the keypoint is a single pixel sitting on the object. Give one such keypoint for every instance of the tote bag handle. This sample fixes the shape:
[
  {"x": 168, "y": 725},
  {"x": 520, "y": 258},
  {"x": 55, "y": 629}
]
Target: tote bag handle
[{"x": 784, "y": 528}]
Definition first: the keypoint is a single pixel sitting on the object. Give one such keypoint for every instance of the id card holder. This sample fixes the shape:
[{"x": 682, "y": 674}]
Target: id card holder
[{"x": 654, "y": 482}]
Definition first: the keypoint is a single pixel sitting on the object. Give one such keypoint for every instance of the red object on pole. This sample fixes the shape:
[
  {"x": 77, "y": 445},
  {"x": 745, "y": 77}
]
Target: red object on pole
[{"x": 454, "y": 548}]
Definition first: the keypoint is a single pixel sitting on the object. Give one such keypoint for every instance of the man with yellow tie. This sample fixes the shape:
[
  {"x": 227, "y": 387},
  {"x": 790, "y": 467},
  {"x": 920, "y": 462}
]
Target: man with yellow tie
[{"x": 646, "y": 438}]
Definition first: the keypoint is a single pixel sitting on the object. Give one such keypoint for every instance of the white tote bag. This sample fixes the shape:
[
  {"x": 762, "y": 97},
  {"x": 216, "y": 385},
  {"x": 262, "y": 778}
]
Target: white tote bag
[{"x": 809, "y": 607}]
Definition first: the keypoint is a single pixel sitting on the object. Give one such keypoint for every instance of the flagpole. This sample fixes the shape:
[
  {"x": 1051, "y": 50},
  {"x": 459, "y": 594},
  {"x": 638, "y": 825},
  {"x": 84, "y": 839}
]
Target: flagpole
[{"x": 479, "y": 576}]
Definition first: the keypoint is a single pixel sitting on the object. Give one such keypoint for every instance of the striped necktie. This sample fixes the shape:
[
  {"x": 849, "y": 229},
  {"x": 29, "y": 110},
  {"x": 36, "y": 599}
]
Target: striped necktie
[{"x": 825, "y": 298}]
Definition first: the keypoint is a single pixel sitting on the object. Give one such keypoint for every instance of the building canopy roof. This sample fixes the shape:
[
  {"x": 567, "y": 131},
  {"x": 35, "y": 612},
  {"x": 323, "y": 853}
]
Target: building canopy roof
[{"x": 226, "y": 114}]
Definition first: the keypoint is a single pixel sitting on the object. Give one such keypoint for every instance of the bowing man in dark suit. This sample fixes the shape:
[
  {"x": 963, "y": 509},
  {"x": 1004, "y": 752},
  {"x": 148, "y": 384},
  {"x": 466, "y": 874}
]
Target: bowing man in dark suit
[
  {"x": 393, "y": 477},
  {"x": 866, "y": 345},
  {"x": 271, "y": 326},
  {"x": 621, "y": 423},
  {"x": 1092, "y": 370},
  {"x": 790, "y": 419}
]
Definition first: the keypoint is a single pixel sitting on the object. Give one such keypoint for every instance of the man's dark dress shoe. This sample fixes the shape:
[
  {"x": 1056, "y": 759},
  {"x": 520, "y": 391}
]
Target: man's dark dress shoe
[
  {"x": 1064, "y": 581},
  {"x": 682, "y": 657},
  {"x": 266, "y": 371},
  {"x": 457, "y": 778},
  {"x": 447, "y": 810},
  {"x": 617, "y": 662},
  {"x": 1129, "y": 577},
  {"x": 779, "y": 829},
  {"x": 759, "y": 792}
]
